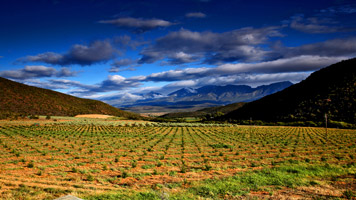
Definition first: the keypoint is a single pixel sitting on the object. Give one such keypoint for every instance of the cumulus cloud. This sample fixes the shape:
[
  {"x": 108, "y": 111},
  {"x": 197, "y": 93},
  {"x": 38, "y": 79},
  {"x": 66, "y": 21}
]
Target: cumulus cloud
[
  {"x": 40, "y": 71},
  {"x": 180, "y": 58},
  {"x": 43, "y": 84},
  {"x": 117, "y": 82},
  {"x": 95, "y": 52},
  {"x": 245, "y": 53},
  {"x": 118, "y": 99},
  {"x": 112, "y": 83},
  {"x": 125, "y": 96},
  {"x": 69, "y": 83},
  {"x": 332, "y": 48},
  {"x": 195, "y": 15},
  {"x": 238, "y": 45},
  {"x": 48, "y": 57},
  {"x": 177, "y": 75},
  {"x": 294, "y": 64},
  {"x": 137, "y": 25},
  {"x": 343, "y": 9},
  {"x": 126, "y": 41},
  {"x": 54, "y": 84},
  {"x": 123, "y": 65},
  {"x": 315, "y": 25}
]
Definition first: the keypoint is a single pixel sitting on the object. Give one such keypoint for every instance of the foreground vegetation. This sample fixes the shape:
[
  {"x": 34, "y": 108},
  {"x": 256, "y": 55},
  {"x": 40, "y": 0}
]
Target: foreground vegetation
[
  {"x": 138, "y": 160},
  {"x": 256, "y": 184}
]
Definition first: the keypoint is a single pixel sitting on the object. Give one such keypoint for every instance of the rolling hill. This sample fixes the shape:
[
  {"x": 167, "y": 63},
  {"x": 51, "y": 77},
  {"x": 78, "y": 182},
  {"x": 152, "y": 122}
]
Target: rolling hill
[
  {"x": 203, "y": 112},
  {"x": 21, "y": 99},
  {"x": 330, "y": 90}
]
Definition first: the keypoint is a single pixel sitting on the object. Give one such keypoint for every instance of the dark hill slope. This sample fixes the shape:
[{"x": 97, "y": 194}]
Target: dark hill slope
[
  {"x": 205, "y": 111},
  {"x": 330, "y": 90},
  {"x": 17, "y": 98}
]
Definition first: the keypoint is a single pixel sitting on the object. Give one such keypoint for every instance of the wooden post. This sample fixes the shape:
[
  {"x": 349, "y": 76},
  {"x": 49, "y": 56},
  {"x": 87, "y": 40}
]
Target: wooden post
[
  {"x": 250, "y": 127},
  {"x": 326, "y": 125}
]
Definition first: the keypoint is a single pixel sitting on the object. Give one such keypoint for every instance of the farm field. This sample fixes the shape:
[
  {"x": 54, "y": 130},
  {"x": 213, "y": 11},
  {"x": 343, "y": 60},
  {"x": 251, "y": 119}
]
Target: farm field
[{"x": 160, "y": 161}]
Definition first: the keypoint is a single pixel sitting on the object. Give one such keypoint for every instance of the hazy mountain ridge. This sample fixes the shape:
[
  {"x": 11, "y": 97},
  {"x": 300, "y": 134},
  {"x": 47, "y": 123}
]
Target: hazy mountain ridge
[{"x": 210, "y": 95}]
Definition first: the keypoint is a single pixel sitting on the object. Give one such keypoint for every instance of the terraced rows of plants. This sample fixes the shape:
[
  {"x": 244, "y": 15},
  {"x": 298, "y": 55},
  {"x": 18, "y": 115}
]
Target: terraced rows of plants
[{"x": 97, "y": 158}]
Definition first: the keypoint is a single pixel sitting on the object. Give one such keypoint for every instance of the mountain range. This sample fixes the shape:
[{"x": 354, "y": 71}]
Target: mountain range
[{"x": 203, "y": 97}]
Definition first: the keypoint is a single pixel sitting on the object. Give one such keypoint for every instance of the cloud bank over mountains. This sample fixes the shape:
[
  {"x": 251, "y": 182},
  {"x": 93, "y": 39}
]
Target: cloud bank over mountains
[{"x": 138, "y": 49}]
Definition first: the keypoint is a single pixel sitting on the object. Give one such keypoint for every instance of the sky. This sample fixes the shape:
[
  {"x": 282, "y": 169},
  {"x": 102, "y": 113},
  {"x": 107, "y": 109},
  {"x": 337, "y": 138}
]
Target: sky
[{"x": 122, "y": 49}]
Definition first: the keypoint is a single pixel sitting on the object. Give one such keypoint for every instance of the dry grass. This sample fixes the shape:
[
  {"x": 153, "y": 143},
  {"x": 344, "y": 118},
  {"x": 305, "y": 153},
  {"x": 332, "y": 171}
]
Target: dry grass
[{"x": 94, "y": 116}]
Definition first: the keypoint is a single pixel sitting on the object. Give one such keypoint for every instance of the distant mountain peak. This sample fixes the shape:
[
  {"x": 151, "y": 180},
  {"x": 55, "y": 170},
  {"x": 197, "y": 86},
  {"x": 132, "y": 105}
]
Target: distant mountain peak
[
  {"x": 191, "y": 90},
  {"x": 183, "y": 92},
  {"x": 152, "y": 95}
]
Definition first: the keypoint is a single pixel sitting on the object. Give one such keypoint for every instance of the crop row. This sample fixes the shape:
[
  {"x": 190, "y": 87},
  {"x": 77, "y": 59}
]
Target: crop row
[{"x": 83, "y": 157}]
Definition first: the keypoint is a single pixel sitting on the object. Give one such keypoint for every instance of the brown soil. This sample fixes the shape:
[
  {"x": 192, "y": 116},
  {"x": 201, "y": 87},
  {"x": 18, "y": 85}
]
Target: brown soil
[{"x": 95, "y": 116}]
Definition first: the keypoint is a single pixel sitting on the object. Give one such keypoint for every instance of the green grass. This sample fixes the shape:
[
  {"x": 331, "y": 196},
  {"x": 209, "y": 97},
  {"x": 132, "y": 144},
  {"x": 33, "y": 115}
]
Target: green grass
[
  {"x": 287, "y": 176},
  {"x": 266, "y": 179}
]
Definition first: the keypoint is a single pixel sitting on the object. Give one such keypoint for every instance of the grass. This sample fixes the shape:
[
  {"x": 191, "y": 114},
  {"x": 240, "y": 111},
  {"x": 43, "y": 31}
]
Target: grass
[
  {"x": 286, "y": 176},
  {"x": 27, "y": 192},
  {"x": 269, "y": 179}
]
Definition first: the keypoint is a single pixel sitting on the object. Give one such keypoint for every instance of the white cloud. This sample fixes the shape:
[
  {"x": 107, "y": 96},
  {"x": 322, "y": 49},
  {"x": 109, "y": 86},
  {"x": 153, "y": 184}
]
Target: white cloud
[
  {"x": 37, "y": 71},
  {"x": 96, "y": 52},
  {"x": 136, "y": 24},
  {"x": 195, "y": 15},
  {"x": 237, "y": 45},
  {"x": 294, "y": 64}
]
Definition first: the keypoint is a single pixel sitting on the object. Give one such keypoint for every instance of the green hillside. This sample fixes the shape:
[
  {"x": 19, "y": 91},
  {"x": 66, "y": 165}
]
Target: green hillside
[
  {"x": 21, "y": 99},
  {"x": 205, "y": 111},
  {"x": 331, "y": 90}
]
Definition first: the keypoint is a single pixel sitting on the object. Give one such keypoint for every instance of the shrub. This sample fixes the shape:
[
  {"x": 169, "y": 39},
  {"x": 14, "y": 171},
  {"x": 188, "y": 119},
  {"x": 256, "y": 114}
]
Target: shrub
[
  {"x": 159, "y": 164},
  {"x": 74, "y": 170},
  {"x": 125, "y": 174},
  {"x": 348, "y": 194},
  {"x": 225, "y": 146},
  {"x": 207, "y": 167},
  {"x": 90, "y": 177},
  {"x": 34, "y": 117},
  {"x": 134, "y": 164},
  {"x": 30, "y": 165}
]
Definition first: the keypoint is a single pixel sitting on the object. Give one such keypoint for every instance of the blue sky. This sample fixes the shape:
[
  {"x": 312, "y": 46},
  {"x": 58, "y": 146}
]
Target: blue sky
[{"x": 121, "y": 49}]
